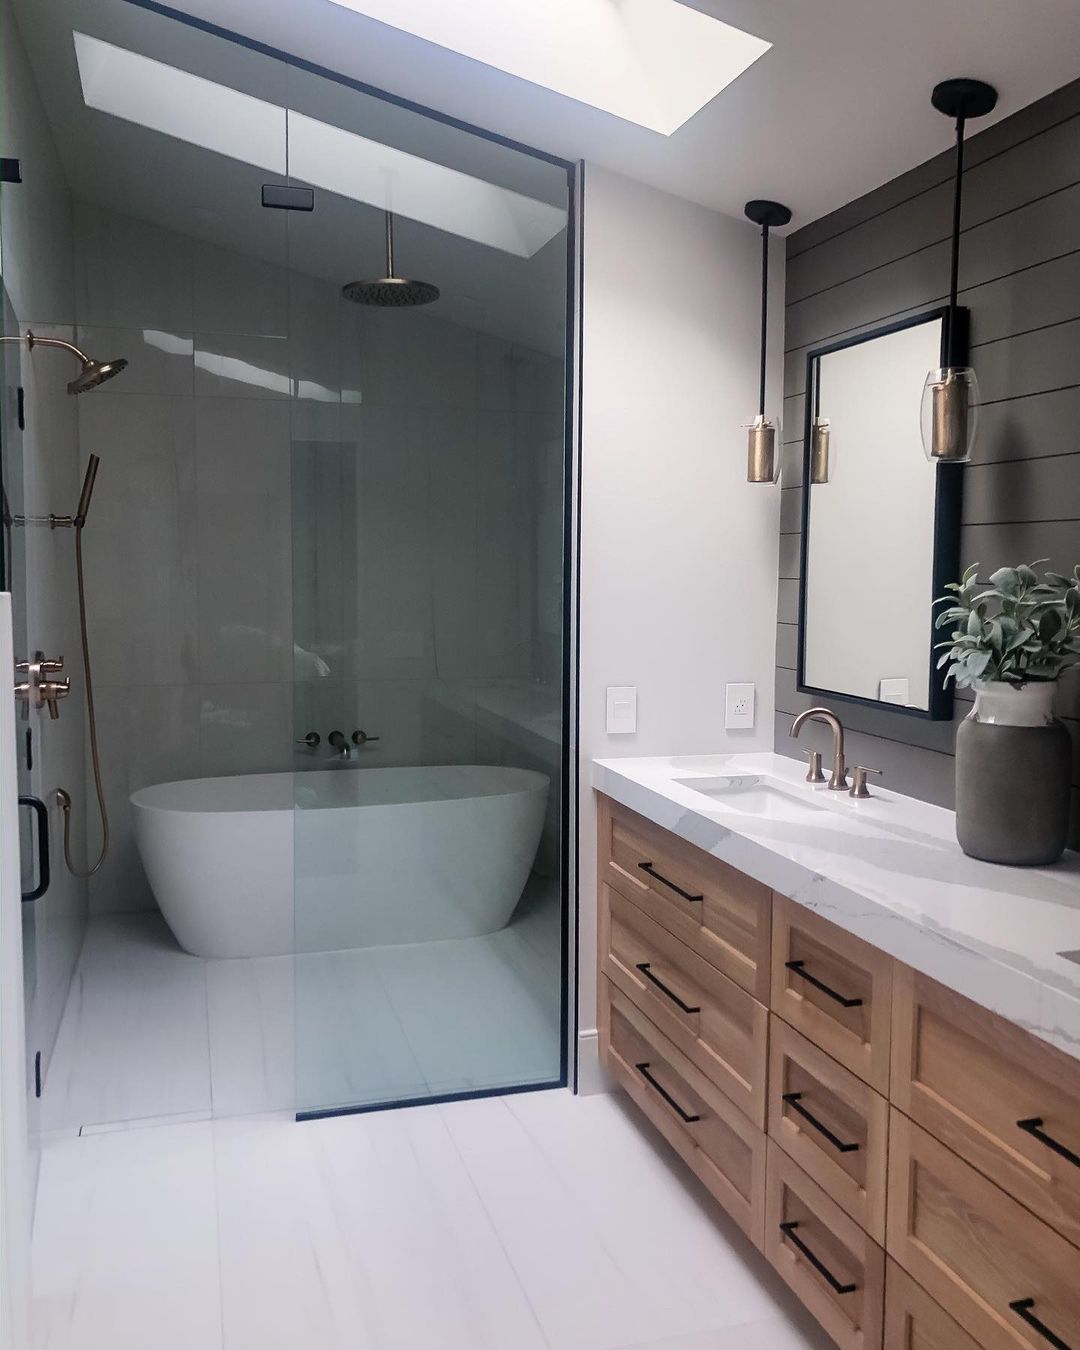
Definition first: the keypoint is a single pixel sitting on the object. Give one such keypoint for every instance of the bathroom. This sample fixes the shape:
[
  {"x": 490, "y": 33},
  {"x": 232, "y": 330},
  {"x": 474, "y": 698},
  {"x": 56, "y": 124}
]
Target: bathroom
[{"x": 444, "y": 498}]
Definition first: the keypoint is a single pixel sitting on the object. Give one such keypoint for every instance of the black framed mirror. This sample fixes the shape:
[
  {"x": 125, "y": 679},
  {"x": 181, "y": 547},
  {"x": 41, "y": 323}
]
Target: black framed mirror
[{"x": 880, "y": 523}]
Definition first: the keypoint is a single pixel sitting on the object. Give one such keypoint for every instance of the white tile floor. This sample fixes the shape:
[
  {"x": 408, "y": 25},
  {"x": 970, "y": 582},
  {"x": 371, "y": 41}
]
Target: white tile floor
[
  {"x": 150, "y": 1031},
  {"x": 515, "y": 1223}
]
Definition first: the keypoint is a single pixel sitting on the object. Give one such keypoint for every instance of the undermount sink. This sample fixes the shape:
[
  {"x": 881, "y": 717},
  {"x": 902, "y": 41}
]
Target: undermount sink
[{"x": 754, "y": 795}]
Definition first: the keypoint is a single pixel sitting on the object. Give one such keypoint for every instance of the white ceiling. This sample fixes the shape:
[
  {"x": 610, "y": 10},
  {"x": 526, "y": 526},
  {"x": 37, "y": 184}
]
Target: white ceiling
[{"x": 840, "y": 104}]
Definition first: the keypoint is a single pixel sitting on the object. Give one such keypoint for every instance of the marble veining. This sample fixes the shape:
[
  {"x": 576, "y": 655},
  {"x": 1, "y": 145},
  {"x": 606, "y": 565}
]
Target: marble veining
[{"x": 888, "y": 870}]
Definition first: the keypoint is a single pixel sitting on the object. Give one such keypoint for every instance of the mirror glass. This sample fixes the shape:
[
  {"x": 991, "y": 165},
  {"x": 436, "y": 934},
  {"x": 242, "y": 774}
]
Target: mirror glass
[{"x": 873, "y": 530}]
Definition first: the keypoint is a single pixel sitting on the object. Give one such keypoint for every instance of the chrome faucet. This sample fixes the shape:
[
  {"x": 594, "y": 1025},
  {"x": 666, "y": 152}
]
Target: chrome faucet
[{"x": 838, "y": 782}]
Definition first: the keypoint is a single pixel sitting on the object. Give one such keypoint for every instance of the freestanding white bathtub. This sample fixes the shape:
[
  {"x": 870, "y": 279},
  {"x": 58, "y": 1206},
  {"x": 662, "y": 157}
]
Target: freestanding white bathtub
[{"x": 273, "y": 863}]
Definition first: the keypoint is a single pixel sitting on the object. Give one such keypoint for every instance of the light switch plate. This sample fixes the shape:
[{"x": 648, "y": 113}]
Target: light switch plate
[
  {"x": 739, "y": 707},
  {"x": 621, "y": 710}
]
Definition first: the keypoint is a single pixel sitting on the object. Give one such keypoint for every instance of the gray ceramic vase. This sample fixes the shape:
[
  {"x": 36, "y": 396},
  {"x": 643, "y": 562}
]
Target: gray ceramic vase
[{"x": 1013, "y": 776}]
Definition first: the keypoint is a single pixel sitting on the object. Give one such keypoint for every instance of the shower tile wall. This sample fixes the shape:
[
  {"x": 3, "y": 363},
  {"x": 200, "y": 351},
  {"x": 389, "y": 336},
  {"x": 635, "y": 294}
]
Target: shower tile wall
[{"x": 417, "y": 461}]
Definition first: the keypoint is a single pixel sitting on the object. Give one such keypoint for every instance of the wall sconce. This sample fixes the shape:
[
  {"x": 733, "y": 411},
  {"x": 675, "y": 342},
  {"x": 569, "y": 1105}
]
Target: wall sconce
[
  {"x": 763, "y": 450},
  {"x": 819, "y": 450},
  {"x": 949, "y": 415}
]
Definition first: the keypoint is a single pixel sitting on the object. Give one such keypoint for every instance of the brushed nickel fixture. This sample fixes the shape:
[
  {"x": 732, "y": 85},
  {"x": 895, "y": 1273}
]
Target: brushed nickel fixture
[
  {"x": 361, "y": 738},
  {"x": 763, "y": 457},
  {"x": 40, "y": 689},
  {"x": 950, "y": 401},
  {"x": 312, "y": 740},
  {"x": 813, "y": 768},
  {"x": 390, "y": 291},
  {"x": 63, "y": 798},
  {"x": 838, "y": 781},
  {"x": 858, "y": 785},
  {"x": 337, "y": 742},
  {"x": 93, "y": 372}
]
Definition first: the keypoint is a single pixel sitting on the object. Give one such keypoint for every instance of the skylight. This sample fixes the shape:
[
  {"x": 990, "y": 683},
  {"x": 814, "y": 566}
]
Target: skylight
[
  {"x": 653, "y": 62},
  {"x": 215, "y": 117}
]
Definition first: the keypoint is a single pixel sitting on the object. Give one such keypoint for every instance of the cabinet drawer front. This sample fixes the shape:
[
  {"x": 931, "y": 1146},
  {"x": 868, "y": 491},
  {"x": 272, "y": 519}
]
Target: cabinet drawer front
[
  {"x": 722, "y": 914},
  {"x": 833, "y": 1266},
  {"x": 708, "y": 1131},
  {"x": 1004, "y": 1275},
  {"x": 913, "y": 1321},
  {"x": 833, "y": 1124},
  {"x": 834, "y": 988},
  {"x": 714, "y": 1022},
  {"x": 1003, "y": 1100}
]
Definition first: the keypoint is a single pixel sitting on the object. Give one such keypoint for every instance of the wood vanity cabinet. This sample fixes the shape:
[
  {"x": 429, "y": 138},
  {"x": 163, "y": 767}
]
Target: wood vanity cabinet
[{"x": 907, "y": 1161}]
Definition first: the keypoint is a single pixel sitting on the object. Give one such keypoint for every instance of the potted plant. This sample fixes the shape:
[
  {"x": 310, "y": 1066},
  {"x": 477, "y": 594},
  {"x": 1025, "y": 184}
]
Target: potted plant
[{"x": 1010, "y": 642}]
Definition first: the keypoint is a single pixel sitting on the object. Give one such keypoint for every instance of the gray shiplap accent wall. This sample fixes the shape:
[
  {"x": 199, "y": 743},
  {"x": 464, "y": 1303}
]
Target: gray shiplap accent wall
[{"x": 885, "y": 256}]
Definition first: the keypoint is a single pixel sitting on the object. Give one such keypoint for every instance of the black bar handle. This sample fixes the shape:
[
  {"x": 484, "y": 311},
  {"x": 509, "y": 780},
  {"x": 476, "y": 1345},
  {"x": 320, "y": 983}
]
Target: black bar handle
[
  {"x": 648, "y": 867},
  {"x": 644, "y": 967},
  {"x": 788, "y": 1230},
  {"x": 799, "y": 967},
  {"x": 1034, "y": 1127},
  {"x": 1022, "y": 1307},
  {"x": 41, "y": 813},
  {"x": 794, "y": 1100},
  {"x": 684, "y": 1116}
]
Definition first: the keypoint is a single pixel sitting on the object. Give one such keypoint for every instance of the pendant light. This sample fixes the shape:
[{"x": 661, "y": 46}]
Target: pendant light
[
  {"x": 763, "y": 454},
  {"x": 951, "y": 394}
]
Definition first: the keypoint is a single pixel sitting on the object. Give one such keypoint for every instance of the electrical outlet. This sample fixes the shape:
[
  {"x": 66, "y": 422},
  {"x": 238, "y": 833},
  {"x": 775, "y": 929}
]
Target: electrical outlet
[{"x": 739, "y": 707}]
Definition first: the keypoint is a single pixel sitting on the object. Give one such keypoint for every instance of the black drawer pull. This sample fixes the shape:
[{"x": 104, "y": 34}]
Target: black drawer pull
[
  {"x": 684, "y": 1116},
  {"x": 643, "y": 966},
  {"x": 1034, "y": 1127},
  {"x": 799, "y": 967},
  {"x": 648, "y": 867},
  {"x": 1022, "y": 1307},
  {"x": 788, "y": 1230},
  {"x": 41, "y": 816},
  {"x": 794, "y": 1100}
]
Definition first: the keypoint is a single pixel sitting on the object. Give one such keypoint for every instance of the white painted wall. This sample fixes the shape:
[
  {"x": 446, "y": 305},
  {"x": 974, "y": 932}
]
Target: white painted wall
[{"x": 678, "y": 552}]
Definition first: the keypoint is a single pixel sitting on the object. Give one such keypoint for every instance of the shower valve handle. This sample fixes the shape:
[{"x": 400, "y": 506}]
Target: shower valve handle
[
  {"x": 362, "y": 738},
  {"x": 51, "y": 691},
  {"x": 312, "y": 740}
]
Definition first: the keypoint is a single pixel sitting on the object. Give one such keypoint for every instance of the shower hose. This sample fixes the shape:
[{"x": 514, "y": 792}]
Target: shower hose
[{"x": 62, "y": 797}]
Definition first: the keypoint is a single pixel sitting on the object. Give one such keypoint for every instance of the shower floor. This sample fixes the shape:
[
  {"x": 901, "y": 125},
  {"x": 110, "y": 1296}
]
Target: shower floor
[{"x": 150, "y": 1032}]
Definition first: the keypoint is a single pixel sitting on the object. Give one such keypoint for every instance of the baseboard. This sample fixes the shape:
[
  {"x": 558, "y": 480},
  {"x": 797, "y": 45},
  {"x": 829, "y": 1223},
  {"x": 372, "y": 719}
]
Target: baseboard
[{"x": 592, "y": 1077}]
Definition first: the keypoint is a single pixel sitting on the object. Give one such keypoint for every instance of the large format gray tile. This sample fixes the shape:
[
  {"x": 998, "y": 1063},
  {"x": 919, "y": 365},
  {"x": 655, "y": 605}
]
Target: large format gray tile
[{"x": 244, "y": 539}]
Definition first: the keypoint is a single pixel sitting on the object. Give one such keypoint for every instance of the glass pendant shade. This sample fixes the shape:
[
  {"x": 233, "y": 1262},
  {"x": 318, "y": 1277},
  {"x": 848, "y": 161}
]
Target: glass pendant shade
[
  {"x": 763, "y": 450},
  {"x": 950, "y": 414}
]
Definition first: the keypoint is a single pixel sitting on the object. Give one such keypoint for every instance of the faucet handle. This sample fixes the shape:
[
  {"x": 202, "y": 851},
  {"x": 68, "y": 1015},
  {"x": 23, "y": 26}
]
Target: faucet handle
[
  {"x": 311, "y": 740},
  {"x": 858, "y": 785},
  {"x": 814, "y": 772},
  {"x": 362, "y": 738}
]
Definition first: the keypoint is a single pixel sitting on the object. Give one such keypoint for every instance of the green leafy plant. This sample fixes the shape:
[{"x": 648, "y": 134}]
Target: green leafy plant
[{"x": 1015, "y": 630}]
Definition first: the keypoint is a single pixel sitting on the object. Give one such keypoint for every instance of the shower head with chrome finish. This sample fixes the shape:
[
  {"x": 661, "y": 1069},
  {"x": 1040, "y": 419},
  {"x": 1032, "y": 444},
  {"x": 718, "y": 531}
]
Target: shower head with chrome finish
[
  {"x": 94, "y": 373},
  {"x": 390, "y": 291}
]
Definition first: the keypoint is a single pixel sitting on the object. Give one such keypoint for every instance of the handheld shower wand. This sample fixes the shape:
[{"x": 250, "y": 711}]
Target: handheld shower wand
[{"x": 63, "y": 798}]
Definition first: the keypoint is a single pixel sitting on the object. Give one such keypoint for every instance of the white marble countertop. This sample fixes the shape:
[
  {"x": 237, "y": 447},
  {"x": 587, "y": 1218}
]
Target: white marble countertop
[{"x": 888, "y": 870}]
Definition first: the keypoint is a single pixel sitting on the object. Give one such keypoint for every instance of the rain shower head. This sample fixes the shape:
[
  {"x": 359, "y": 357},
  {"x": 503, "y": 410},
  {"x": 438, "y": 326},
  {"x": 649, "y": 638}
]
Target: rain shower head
[
  {"x": 390, "y": 291},
  {"x": 93, "y": 372}
]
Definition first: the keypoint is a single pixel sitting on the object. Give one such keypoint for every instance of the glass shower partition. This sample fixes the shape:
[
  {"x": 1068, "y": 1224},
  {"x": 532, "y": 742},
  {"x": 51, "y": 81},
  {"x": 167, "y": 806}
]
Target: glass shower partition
[{"x": 428, "y": 466}]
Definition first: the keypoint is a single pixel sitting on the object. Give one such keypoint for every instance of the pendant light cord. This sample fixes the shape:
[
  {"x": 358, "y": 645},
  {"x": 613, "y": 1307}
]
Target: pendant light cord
[
  {"x": 764, "y": 312},
  {"x": 954, "y": 273}
]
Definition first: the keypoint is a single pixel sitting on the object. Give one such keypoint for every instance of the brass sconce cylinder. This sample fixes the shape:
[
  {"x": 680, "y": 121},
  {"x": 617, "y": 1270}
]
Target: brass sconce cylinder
[
  {"x": 761, "y": 459},
  {"x": 819, "y": 451}
]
